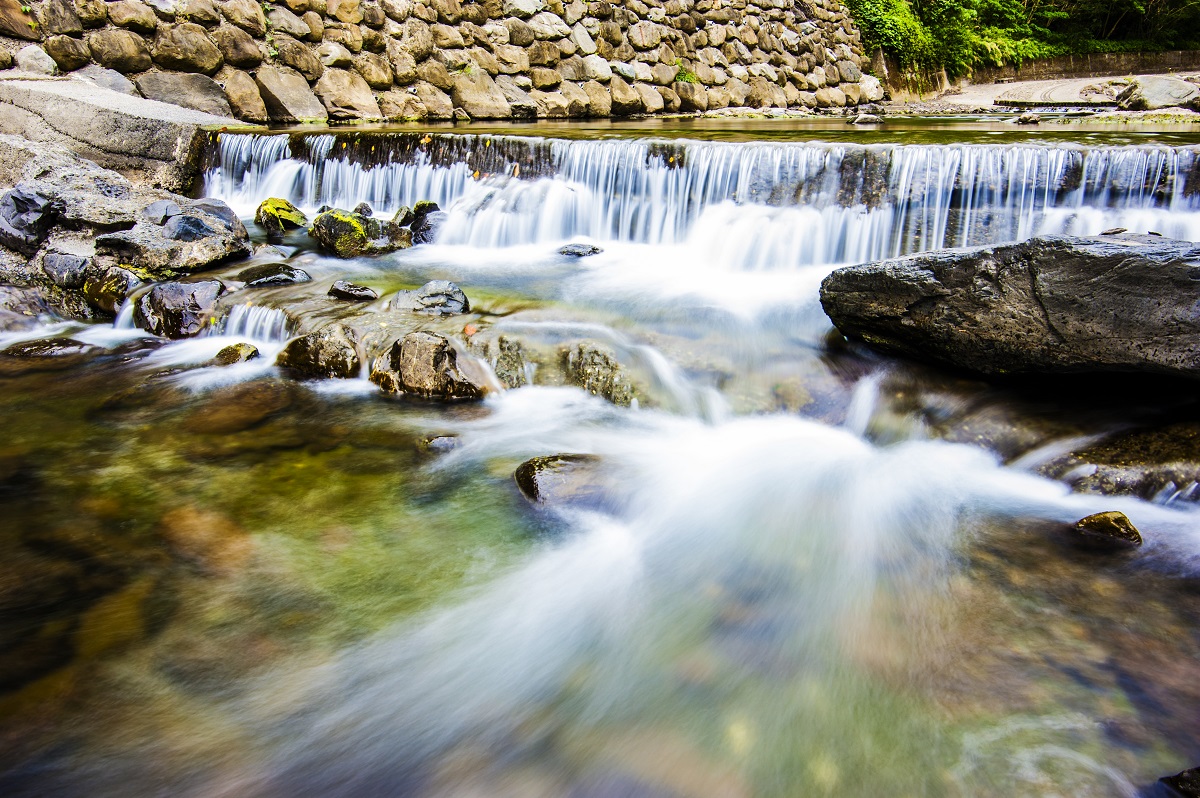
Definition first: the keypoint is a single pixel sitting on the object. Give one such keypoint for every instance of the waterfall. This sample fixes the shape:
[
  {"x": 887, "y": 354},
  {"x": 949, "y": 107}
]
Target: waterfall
[
  {"x": 779, "y": 205},
  {"x": 257, "y": 323}
]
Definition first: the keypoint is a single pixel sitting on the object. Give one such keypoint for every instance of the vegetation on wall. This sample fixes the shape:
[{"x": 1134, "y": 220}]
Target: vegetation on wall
[{"x": 960, "y": 34}]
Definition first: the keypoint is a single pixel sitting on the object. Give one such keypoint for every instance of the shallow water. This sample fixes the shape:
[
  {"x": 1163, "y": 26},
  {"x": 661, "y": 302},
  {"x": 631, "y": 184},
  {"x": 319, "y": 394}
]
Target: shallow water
[{"x": 221, "y": 583}]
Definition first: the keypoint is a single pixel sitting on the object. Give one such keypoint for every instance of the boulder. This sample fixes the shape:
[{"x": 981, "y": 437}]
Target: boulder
[
  {"x": 1186, "y": 783},
  {"x": 1110, "y": 529},
  {"x": 595, "y": 369},
  {"x": 246, "y": 14},
  {"x": 520, "y": 104},
  {"x": 18, "y": 22},
  {"x": 36, "y": 61},
  {"x": 625, "y": 99},
  {"x": 66, "y": 270},
  {"x": 119, "y": 49},
  {"x": 286, "y": 95},
  {"x": 92, "y": 13},
  {"x": 1149, "y": 93},
  {"x": 435, "y": 298},
  {"x": 401, "y": 105},
  {"x": 272, "y": 274},
  {"x": 1048, "y": 305},
  {"x": 202, "y": 12},
  {"x": 427, "y": 219},
  {"x": 159, "y": 211},
  {"x": 133, "y": 14},
  {"x": 237, "y": 47},
  {"x": 26, "y": 215},
  {"x": 205, "y": 234},
  {"x": 177, "y": 310},
  {"x": 335, "y": 55},
  {"x": 244, "y": 98},
  {"x": 283, "y": 21},
  {"x": 68, "y": 53},
  {"x": 277, "y": 216},
  {"x": 109, "y": 79},
  {"x": 343, "y": 289},
  {"x": 105, "y": 290},
  {"x": 186, "y": 48},
  {"x": 299, "y": 57},
  {"x": 563, "y": 479},
  {"x": 692, "y": 96},
  {"x": 236, "y": 353},
  {"x": 478, "y": 95},
  {"x": 59, "y": 17},
  {"x": 329, "y": 352},
  {"x": 198, "y": 92},
  {"x": 350, "y": 235},
  {"x": 375, "y": 70},
  {"x": 424, "y": 364},
  {"x": 580, "y": 250},
  {"x": 346, "y": 95},
  {"x": 437, "y": 104}
]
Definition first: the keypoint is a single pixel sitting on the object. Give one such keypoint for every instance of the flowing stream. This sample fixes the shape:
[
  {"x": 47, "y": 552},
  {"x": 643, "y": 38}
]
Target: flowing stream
[{"x": 796, "y": 574}]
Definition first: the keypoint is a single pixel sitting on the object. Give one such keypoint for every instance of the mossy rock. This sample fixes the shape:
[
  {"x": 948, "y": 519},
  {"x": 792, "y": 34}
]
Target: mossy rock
[
  {"x": 350, "y": 235},
  {"x": 236, "y": 353},
  {"x": 277, "y": 215}
]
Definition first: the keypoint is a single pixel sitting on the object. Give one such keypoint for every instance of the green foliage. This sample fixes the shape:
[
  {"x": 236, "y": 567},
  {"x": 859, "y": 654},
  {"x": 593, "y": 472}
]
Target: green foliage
[
  {"x": 684, "y": 76},
  {"x": 959, "y": 35}
]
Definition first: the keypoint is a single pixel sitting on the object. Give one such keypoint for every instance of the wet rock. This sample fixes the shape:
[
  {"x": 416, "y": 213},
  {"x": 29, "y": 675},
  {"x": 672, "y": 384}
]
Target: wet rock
[
  {"x": 424, "y": 364},
  {"x": 26, "y": 216},
  {"x": 435, "y": 298},
  {"x": 52, "y": 353},
  {"x": 198, "y": 92},
  {"x": 106, "y": 289},
  {"x": 1156, "y": 461},
  {"x": 595, "y": 369},
  {"x": 866, "y": 119},
  {"x": 363, "y": 209},
  {"x": 439, "y": 444},
  {"x": 236, "y": 353},
  {"x": 277, "y": 216},
  {"x": 269, "y": 274},
  {"x": 1109, "y": 529},
  {"x": 343, "y": 289},
  {"x": 206, "y": 233},
  {"x": 580, "y": 250},
  {"x": 1048, "y": 305},
  {"x": 1186, "y": 783},
  {"x": 350, "y": 235},
  {"x": 427, "y": 218},
  {"x": 1028, "y": 119},
  {"x": 209, "y": 540},
  {"x": 561, "y": 479},
  {"x": 177, "y": 310},
  {"x": 329, "y": 352},
  {"x": 66, "y": 270}
]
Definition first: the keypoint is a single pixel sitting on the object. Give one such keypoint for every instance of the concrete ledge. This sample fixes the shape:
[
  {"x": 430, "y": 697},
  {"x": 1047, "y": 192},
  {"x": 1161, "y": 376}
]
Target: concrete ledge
[{"x": 149, "y": 142}]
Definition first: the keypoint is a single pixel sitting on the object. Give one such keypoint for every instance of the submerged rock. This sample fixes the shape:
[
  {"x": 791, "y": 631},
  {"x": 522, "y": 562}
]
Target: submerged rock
[
  {"x": 595, "y": 369},
  {"x": 1109, "y": 529},
  {"x": 1048, "y": 305},
  {"x": 269, "y": 274},
  {"x": 345, "y": 234},
  {"x": 236, "y": 353},
  {"x": 343, "y": 289},
  {"x": 580, "y": 250},
  {"x": 277, "y": 216},
  {"x": 46, "y": 354},
  {"x": 177, "y": 310},
  {"x": 1150, "y": 462},
  {"x": 424, "y": 364},
  {"x": 561, "y": 479},
  {"x": 435, "y": 298},
  {"x": 329, "y": 352}
]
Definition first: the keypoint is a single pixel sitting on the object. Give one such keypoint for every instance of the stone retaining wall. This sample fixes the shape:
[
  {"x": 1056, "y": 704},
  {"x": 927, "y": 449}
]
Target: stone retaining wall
[
  {"x": 1094, "y": 65},
  {"x": 315, "y": 60}
]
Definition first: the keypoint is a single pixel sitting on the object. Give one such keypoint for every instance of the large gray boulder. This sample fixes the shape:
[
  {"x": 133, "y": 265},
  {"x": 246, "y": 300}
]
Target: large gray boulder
[
  {"x": 329, "y": 352},
  {"x": 1151, "y": 92},
  {"x": 424, "y": 364},
  {"x": 203, "y": 234},
  {"x": 189, "y": 90},
  {"x": 1049, "y": 305},
  {"x": 177, "y": 310}
]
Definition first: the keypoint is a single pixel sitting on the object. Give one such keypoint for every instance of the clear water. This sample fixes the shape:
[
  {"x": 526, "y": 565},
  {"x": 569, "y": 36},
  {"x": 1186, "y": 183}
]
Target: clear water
[{"x": 220, "y": 583}]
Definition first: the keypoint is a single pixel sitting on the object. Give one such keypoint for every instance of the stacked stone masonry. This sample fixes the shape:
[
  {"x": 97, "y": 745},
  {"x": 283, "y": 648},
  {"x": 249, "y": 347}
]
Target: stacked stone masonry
[{"x": 287, "y": 61}]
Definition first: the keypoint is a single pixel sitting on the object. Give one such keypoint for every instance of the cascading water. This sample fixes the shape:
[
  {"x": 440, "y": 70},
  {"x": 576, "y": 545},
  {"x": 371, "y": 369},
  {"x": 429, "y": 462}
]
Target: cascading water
[{"x": 781, "y": 205}]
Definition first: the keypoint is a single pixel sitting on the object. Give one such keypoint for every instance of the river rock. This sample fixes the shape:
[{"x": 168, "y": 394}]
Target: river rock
[
  {"x": 198, "y": 92},
  {"x": 26, "y": 215},
  {"x": 595, "y": 369},
  {"x": 343, "y": 289},
  {"x": 34, "y": 60},
  {"x": 177, "y": 310},
  {"x": 68, "y": 52},
  {"x": 478, "y": 95},
  {"x": 1048, "y": 305},
  {"x": 236, "y": 353},
  {"x": 1186, "y": 783},
  {"x": 244, "y": 98},
  {"x": 133, "y": 14},
  {"x": 580, "y": 250},
  {"x": 286, "y": 95},
  {"x": 206, "y": 233},
  {"x": 237, "y": 48},
  {"x": 427, "y": 218},
  {"x": 246, "y": 14},
  {"x": 329, "y": 352},
  {"x": 562, "y": 479},
  {"x": 186, "y": 48},
  {"x": 351, "y": 235},
  {"x": 66, "y": 270},
  {"x": 1150, "y": 92},
  {"x": 424, "y": 364},
  {"x": 346, "y": 95},
  {"x": 105, "y": 289},
  {"x": 277, "y": 216},
  {"x": 272, "y": 274},
  {"x": 1110, "y": 529},
  {"x": 109, "y": 79},
  {"x": 435, "y": 298}
]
